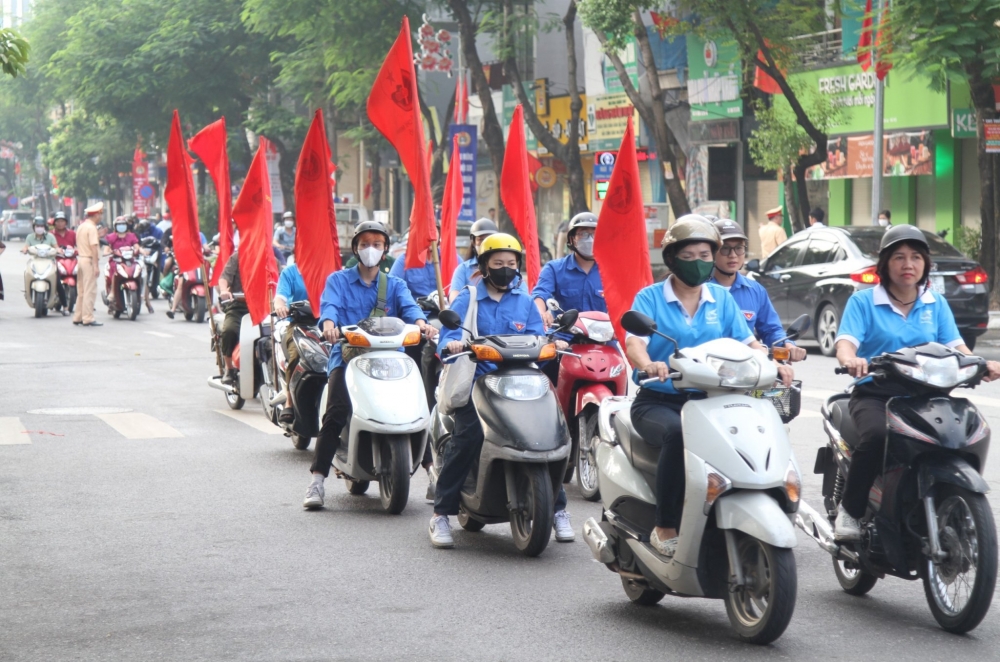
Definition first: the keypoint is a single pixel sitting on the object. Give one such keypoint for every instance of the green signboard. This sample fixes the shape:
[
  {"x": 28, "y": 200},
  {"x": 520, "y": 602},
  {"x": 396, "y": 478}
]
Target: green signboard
[
  {"x": 713, "y": 79},
  {"x": 963, "y": 123},
  {"x": 612, "y": 82},
  {"x": 509, "y": 104}
]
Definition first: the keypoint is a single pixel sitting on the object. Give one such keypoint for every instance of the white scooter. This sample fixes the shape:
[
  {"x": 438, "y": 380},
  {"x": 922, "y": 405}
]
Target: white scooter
[
  {"x": 40, "y": 279},
  {"x": 384, "y": 439},
  {"x": 742, "y": 488}
]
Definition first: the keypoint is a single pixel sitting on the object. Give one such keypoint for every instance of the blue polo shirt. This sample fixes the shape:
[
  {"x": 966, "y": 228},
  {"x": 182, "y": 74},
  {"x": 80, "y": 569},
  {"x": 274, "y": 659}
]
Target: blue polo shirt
[
  {"x": 347, "y": 300},
  {"x": 291, "y": 287},
  {"x": 422, "y": 281},
  {"x": 514, "y": 314},
  {"x": 874, "y": 325},
  {"x": 467, "y": 273},
  {"x": 564, "y": 281},
  {"x": 284, "y": 237},
  {"x": 718, "y": 316},
  {"x": 757, "y": 309}
]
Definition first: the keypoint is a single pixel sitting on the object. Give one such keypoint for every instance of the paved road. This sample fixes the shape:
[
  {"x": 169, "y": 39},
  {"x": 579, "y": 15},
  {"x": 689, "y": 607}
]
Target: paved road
[{"x": 192, "y": 544}]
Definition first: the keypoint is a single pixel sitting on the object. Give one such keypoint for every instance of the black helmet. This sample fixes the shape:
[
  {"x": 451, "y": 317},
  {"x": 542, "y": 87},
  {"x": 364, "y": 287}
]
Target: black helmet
[
  {"x": 483, "y": 228},
  {"x": 901, "y": 233},
  {"x": 584, "y": 219},
  {"x": 728, "y": 229},
  {"x": 369, "y": 226},
  {"x": 38, "y": 220},
  {"x": 60, "y": 216}
]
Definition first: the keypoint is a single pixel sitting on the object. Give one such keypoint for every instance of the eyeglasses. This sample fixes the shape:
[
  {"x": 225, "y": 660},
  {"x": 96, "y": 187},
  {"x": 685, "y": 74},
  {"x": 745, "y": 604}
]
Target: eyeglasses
[{"x": 729, "y": 250}]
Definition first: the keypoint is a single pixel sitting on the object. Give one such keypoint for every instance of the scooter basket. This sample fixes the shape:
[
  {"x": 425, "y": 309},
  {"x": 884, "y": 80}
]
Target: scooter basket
[{"x": 787, "y": 400}]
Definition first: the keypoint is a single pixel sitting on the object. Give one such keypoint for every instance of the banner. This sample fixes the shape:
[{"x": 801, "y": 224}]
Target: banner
[
  {"x": 905, "y": 154},
  {"x": 466, "y": 140},
  {"x": 142, "y": 192},
  {"x": 273, "y": 158},
  {"x": 607, "y": 118}
]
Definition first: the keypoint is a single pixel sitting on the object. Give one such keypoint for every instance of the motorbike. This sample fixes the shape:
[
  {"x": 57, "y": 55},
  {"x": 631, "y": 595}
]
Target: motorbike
[
  {"x": 151, "y": 259},
  {"x": 190, "y": 287},
  {"x": 384, "y": 439},
  {"x": 40, "y": 281},
  {"x": 66, "y": 265},
  {"x": 742, "y": 489},
  {"x": 430, "y": 366},
  {"x": 251, "y": 376},
  {"x": 123, "y": 283},
  {"x": 928, "y": 517},
  {"x": 592, "y": 369},
  {"x": 309, "y": 377},
  {"x": 526, "y": 439}
]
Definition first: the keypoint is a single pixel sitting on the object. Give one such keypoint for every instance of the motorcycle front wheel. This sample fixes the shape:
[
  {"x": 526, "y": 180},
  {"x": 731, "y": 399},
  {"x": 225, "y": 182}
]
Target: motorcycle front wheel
[
  {"x": 41, "y": 305},
  {"x": 959, "y": 589},
  {"x": 199, "y": 309},
  {"x": 71, "y": 298},
  {"x": 586, "y": 473},
  {"x": 394, "y": 481},
  {"x": 761, "y": 609},
  {"x": 531, "y": 525},
  {"x": 135, "y": 304}
]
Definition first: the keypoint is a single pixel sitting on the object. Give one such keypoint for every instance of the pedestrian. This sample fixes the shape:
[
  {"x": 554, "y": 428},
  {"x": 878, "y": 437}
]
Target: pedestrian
[
  {"x": 885, "y": 218},
  {"x": 89, "y": 261},
  {"x": 771, "y": 233},
  {"x": 816, "y": 217},
  {"x": 492, "y": 213}
]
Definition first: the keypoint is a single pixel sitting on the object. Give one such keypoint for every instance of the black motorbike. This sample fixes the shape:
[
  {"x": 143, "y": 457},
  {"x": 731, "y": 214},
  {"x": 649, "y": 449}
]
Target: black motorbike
[
  {"x": 928, "y": 517},
  {"x": 150, "y": 248},
  {"x": 526, "y": 447},
  {"x": 430, "y": 365}
]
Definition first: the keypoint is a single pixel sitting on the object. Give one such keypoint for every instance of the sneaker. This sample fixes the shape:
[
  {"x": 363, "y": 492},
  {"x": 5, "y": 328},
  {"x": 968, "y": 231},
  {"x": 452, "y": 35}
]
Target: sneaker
[
  {"x": 231, "y": 377},
  {"x": 314, "y": 496},
  {"x": 170, "y": 314},
  {"x": 665, "y": 548},
  {"x": 563, "y": 527},
  {"x": 846, "y": 528},
  {"x": 287, "y": 416},
  {"x": 440, "y": 530}
]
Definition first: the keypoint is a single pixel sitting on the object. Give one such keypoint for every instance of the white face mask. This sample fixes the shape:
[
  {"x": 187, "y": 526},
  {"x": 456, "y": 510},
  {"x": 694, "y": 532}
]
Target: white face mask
[
  {"x": 39, "y": 231},
  {"x": 120, "y": 229},
  {"x": 585, "y": 247},
  {"x": 370, "y": 257},
  {"x": 289, "y": 225},
  {"x": 883, "y": 222}
]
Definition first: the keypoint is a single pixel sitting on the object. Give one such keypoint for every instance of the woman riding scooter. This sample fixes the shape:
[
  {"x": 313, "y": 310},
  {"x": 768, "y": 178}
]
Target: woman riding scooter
[
  {"x": 503, "y": 309},
  {"x": 901, "y": 311},
  {"x": 690, "y": 310}
]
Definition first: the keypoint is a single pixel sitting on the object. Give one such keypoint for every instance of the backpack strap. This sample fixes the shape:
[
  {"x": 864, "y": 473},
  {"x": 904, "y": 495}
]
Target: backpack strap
[{"x": 382, "y": 296}]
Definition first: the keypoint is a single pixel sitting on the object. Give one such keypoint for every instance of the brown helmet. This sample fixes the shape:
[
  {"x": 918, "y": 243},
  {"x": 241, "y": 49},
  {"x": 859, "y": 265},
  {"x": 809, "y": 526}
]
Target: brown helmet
[{"x": 688, "y": 229}]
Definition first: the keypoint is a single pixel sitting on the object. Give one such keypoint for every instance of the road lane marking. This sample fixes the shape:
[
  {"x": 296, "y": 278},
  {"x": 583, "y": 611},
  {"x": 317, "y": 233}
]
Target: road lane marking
[
  {"x": 78, "y": 411},
  {"x": 139, "y": 426},
  {"x": 158, "y": 334},
  {"x": 254, "y": 419},
  {"x": 12, "y": 433}
]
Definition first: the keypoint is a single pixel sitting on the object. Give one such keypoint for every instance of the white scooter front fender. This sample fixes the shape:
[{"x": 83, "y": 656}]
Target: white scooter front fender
[{"x": 758, "y": 515}]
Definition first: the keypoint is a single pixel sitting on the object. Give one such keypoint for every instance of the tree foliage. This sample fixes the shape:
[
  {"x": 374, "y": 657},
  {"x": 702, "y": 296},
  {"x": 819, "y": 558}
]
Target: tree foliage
[{"x": 13, "y": 52}]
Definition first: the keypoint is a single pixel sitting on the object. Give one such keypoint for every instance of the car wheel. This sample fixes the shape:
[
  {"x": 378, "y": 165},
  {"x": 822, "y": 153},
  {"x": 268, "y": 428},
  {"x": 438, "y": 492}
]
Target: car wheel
[{"x": 826, "y": 330}]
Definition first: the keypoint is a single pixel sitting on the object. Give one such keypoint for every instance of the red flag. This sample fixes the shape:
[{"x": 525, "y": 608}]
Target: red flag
[
  {"x": 662, "y": 23},
  {"x": 461, "y": 99},
  {"x": 253, "y": 216},
  {"x": 210, "y": 146},
  {"x": 317, "y": 247},
  {"x": 394, "y": 109},
  {"x": 621, "y": 230},
  {"x": 763, "y": 81},
  {"x": 883, "y": 45},
  {"x": 515, "y": 193},
  {"x": 865, "y": 39},
  {"x": 180, "y": 197},
  {"x": 534, "y": 165},
  {"x": 451, "y": 207}
]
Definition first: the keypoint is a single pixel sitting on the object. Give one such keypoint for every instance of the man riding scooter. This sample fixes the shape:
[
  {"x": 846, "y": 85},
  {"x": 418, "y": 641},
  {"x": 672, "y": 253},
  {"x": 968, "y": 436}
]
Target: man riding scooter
[
  {"x": 229, "y": 283},
  {"x": 284, "y": 237},
  {"x": 352, "y": 295},
  {"x": 291, "y": 288}
]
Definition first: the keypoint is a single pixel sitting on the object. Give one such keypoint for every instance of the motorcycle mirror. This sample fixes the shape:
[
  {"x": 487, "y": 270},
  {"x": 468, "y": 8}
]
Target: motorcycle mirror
[
  {"x": 798, "y": 327},
  {"x": 552, "y": 305},
  {"x": 568, "y": 319},
  {"x": 450, "y": 320},
  {"x": 754, "y": 265},
  {"x": 638, "y": 324}
]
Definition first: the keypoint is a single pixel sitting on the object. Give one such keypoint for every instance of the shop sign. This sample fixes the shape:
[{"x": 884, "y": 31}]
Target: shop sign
[
  {"x": 558, "y": 118},
  {"x": 713, "y": 79},
  {"x": 545, "y": 177},
  {"x": 963, "y": 123},
  {"x": 604, "y": 165},
  {"x": 466, "y": 134},
  {"x": 904, "y": 154},
  {"x": 991, "y": 135},
  {"x": 612, "y": 83},
  {"x": 714, "y": 132},
  {"x": 607, "y": 117}
]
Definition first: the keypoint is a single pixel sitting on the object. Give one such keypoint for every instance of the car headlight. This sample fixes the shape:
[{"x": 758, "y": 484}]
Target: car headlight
[
  {"x": 599, "y": 330},
  {"x": 735, "y": 374},
  {"x": 385, "y": 369},
  {"x": 519, "y": 387},
  {"x": 940, "y": 372}
]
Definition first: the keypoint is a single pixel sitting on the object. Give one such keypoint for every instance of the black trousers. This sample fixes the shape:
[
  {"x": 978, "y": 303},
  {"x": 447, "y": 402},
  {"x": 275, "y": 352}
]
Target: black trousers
[
  {"x": 867, "y": 407},
  {"x": 338, "y": 411},
  {"x": 657, "y": 417},
  {"x": 231, "y": 326}
]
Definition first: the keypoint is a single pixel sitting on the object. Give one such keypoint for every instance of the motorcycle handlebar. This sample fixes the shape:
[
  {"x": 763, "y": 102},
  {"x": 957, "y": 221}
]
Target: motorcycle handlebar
[{"x": 841, "y": 371}]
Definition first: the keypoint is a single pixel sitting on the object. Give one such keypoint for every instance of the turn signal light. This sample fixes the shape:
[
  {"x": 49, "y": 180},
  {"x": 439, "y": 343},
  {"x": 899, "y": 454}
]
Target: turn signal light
[
  {"x": 977, "y": 276},
  {"x": 486, "y": 353},
  {"x": 356, "y": 339},
  {"x": 793, "y": 484},
  {"x": 548, "y": 352},
  {"x": 781, "y": 353},
  {"x": 717, "y": 486},
  {"x": 412, "y": 338},
  {"x": 866, "y": 276}
]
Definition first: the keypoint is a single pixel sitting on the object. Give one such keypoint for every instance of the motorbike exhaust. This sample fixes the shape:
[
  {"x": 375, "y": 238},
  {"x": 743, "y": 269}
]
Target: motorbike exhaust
[
  {"x": 216, "y": 382},
  {"x": 818, "y": 528},
  {"x": 598, "y": 541},
  {"x": 279, "y": 399}
]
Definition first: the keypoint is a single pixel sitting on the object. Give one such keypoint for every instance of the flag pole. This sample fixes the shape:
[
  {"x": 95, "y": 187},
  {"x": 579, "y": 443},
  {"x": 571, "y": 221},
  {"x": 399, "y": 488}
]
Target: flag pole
[
  {"x": 436, "y": 259},
  {"x": 877, "y": 154},
  {"x": 211, "y": 317}
]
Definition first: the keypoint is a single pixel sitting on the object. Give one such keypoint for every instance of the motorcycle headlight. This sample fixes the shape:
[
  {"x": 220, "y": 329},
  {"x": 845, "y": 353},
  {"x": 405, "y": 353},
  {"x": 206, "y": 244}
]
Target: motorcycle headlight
[
  {"x": 519, "y": 387},
  {"x": 735, "y": 374},
  {"x": 599, "y": 330},
  {"x": 940, "y": 372},
  {"x": 43, "y": 272},
  {"x": 385, "y": 369},
  {"x": 314, "y": 356},
  {"x": 121, "y": 271}
]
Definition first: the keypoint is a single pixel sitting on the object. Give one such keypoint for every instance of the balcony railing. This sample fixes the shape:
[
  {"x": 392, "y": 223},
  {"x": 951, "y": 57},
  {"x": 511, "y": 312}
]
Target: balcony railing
[{"x": 821, "y": 47}]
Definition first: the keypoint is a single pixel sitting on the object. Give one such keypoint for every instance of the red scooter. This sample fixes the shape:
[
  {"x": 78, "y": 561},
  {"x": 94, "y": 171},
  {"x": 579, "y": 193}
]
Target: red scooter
[
  {"x": 66, "y": 264},
  {"x": 123, "y": 284},
  {"x": 593, "y": 369},
  {"x": 190, "y": 287}
]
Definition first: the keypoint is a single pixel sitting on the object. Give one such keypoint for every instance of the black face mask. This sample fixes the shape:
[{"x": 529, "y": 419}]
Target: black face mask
[{"x": 502, "y": 278}]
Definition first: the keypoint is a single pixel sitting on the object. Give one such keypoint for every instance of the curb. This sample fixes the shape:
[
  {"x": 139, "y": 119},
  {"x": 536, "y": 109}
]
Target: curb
[{"x": 994, "y": 322}]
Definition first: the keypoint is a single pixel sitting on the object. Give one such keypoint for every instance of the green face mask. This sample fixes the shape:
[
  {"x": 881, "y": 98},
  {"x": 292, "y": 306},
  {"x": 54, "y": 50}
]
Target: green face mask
[{"x": 692, "y": 272}]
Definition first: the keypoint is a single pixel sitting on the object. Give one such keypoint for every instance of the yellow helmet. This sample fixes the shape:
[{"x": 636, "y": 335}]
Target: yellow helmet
[{"x": 500, "y": 241}]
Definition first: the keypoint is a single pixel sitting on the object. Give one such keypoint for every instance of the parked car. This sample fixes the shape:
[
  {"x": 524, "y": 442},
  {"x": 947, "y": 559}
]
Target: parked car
[
  {"x": 16, "y": 224},
  {"x": 815, "y": 271}
]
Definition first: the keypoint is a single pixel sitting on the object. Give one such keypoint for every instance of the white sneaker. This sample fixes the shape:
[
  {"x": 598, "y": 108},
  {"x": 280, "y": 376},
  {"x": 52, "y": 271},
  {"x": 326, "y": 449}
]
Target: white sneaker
[
  {"x": 440, "y": 530},
  {"x": 665, "y": 548},
  {"x": 846, "y": 528},
  {"x": 314, "y": 496},
  {"x": 563, "y": 527}
]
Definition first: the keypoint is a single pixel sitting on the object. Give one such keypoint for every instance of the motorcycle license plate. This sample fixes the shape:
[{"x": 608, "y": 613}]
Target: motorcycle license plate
[{"x": 937, "y": 284}]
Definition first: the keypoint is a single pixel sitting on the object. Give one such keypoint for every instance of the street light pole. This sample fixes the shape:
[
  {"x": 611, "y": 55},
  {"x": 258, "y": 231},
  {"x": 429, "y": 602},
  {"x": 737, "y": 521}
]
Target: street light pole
[{"x": 877, "y": 155}]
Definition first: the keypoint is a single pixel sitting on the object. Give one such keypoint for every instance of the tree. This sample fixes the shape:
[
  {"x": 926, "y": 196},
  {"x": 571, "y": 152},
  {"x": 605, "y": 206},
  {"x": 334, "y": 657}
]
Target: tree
[
  {"x": 13, "y": 52},
  {"x": 959, "y": 40}
]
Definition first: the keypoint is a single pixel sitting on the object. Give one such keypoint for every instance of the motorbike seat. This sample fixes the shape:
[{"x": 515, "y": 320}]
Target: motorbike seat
[
  {"x": 643, "y": 456},
  {"x": 842, "y": 421}
]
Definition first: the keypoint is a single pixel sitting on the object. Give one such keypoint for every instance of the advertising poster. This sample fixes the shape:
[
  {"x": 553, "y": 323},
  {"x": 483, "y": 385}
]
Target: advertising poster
[{"x": 467, "y": 140}]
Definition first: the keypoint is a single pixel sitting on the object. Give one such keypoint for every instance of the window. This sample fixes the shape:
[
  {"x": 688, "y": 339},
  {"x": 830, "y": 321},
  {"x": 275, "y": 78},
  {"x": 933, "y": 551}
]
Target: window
[
  {"x": 785, "y": 257},
  {"x": 821, "y": 251},
  {"x": 347, "y": 215}
]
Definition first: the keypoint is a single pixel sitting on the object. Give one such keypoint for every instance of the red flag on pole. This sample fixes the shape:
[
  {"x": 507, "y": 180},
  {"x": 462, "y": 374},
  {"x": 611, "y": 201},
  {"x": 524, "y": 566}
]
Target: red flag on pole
[
  {"x": 317, "y": 247},
  {"x": 515, "y": 193},
  {"x": 865, "y": 39},
  {"x": 763, "y": 81},
  {"x": 621, "y": 231},
  {"x": 461, "y": 99},
  {"x": 883, "y": 44},
  {"x": 254, "y": 220},
  {"x": 180, "y": 196},
  {"x": 451, "y": 207},
  {"x": 394, "y": 109},
  {"x": 210, "y": 146}
]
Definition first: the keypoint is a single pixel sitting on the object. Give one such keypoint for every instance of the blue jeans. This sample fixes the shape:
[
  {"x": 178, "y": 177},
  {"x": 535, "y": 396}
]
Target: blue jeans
[{"x": 460, "y": 454}]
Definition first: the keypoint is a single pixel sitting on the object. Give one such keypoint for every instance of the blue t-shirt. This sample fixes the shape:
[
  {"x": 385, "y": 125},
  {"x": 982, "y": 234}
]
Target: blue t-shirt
[
  {"x": 422, "y": 282},
  {"x": 514, "y": 313},
  {"x": 757, "y": 309},
  {"x": 467, "y": 273},
  {"x": 718, "y": 316},
  {"x": 574, "y": 289},
  {"x": 347, "y": 300},
  {"x": 291, "y": 287},
  {"x": 874, "y": 326},
  {"x": 284, "y": 237}
]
